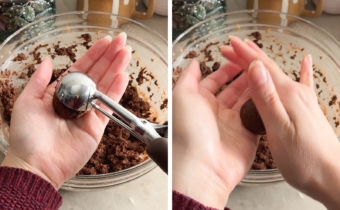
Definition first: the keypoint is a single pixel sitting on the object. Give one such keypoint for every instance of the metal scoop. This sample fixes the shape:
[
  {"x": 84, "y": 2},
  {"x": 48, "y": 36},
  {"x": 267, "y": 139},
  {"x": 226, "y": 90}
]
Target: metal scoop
[{"x": 78, "y": 92}]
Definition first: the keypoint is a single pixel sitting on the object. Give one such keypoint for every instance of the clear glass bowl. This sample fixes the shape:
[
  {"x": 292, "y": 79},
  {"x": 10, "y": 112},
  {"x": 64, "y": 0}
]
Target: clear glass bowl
[
  {"x": 149, "y": 50},
  {"x": 286, "y": 39}
]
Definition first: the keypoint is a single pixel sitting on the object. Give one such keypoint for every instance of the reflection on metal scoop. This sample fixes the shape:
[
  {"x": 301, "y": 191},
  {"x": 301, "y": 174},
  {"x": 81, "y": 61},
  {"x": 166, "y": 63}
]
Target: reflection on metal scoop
[{"x": 78, "y": 92}]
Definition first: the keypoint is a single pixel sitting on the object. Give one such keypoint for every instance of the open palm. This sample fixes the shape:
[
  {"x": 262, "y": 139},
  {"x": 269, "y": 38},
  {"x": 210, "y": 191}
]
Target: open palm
[
  {"x": 55, "y": 148},
  {"x": 208, "y": 133}
]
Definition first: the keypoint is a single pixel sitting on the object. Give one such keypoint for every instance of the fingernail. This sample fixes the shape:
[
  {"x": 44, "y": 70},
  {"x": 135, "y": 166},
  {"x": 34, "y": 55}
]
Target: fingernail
[
  {"x": 191, "y": 63},
  {"x": 309, "y": 59},
  {"x": 230, "y": 38},
  {"x": 246, "y": 40},
  {"x": 258, "y": 72},
  {"x": 128, "y": 48},
  {"x": 47, "y": 58},
  {"x": 124, "y": 35},
  {"x": 108, "y": 37}
]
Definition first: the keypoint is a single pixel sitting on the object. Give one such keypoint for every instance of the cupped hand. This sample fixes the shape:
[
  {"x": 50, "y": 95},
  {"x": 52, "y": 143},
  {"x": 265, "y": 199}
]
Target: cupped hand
[
  {"x": 52, "y": 147},
  {"x": 212, "y": 151},
  {"x": 301, "y": 140}
]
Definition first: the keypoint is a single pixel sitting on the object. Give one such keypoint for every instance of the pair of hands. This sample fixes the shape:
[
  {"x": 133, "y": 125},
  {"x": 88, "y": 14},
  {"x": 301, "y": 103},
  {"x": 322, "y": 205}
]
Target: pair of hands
[
  {"x": 212, "y": 151},
  {"x": 55, "y": 148}
]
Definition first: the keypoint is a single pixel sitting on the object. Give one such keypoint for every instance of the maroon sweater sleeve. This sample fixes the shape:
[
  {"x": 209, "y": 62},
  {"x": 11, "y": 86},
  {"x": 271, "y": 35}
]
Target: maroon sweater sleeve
[
  {"x": 21, "y": 189},
  {"x": 183, "y": 202}
]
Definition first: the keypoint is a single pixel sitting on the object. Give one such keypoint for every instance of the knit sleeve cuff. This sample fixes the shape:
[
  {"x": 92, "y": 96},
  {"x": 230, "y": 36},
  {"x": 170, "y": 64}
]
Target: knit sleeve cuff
[
  {"x": 180, "y": 201},
  {"x": 24, "y": 187}
]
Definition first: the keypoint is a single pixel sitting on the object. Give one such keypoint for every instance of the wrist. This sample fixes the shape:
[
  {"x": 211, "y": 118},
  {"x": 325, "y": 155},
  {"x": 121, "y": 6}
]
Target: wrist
[
  {"x": 325, "y": 185},
  {"x": 192, "y": 179},
  {"x": 15, "y": 162}
]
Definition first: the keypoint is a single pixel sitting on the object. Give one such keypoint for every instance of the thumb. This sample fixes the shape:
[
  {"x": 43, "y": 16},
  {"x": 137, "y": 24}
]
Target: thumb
[
  {"x": 265, "y": 97},
  {"x": 189, "y": 78},
  {"x": 40, "y": 79}
]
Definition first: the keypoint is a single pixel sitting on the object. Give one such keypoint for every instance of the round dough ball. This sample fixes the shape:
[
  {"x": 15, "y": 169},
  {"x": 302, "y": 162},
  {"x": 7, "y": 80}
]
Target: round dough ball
[
  {"x": 251, "y": 119},
  {"x": 63, "y": 111}
]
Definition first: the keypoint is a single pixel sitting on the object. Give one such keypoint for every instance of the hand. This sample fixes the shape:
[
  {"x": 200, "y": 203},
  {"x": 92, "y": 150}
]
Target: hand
[
  {"x": 212, "y": 151},
  {"x": 301, "y": 140},
  {"x": 55, "y": 148}
]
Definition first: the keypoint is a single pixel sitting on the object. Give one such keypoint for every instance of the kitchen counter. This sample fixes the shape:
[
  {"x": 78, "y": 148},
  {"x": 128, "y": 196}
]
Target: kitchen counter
[
  {"x": 146, "y": 192},
  {"x": 278, "y": 196}
]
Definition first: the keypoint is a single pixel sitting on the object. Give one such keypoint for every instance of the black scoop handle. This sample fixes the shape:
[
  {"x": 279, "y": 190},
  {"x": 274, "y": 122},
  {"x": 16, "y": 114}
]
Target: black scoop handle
[{"x": 158, "y": 152}]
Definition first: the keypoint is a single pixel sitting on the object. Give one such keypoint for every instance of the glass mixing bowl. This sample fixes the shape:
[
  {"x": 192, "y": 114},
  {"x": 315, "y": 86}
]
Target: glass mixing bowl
[
  {"x": 149, "y": 52},
  {"x": 286, "y": 39}
]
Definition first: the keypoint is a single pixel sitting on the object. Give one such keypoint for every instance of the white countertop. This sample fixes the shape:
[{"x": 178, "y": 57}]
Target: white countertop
[
  {"x": 146, "y": 192},
  {"x": 278, "y": 196}
]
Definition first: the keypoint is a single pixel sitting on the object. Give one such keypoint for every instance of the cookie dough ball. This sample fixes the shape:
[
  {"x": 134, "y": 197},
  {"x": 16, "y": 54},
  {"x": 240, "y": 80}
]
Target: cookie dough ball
[
  {"x": 63, "y": 111},
  {"x": 251, "y": 119}
]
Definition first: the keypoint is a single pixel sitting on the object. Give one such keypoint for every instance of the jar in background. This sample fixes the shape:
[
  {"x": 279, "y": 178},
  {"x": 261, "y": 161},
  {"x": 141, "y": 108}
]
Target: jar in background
[
  {"x": 330, "y": 6},
  {"x": 186, "y": 13},
  {"x": 126, "y": 8},
  {"x": 15, "y": 14}
]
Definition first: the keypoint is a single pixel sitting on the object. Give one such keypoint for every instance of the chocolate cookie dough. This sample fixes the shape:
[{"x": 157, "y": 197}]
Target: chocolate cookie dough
[
  {"x": 63, "y": 111},
  {"x": 8, "y": 95},
  {"x": 119, "y": 150},
  {"x": 116, "y": 151},
  {"x": 263, "y": 159},
  {"x": 20, "y": 57},
  {"x": 251, "y": 119}
]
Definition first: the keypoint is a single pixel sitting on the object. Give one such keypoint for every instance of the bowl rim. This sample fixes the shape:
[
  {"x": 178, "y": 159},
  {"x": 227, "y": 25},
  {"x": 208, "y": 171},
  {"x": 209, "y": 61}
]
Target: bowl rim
[
  {"x": 4, "y": 145},
  {"x": 109, "y": 175},
  {"x": 79, "y": 13},
  {"x": 253, "y": 11}
]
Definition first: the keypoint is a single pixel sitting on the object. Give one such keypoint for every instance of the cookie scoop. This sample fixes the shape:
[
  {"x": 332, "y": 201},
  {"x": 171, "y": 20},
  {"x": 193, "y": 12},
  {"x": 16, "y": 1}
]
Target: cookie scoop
[{"x": 76, "y": 94}]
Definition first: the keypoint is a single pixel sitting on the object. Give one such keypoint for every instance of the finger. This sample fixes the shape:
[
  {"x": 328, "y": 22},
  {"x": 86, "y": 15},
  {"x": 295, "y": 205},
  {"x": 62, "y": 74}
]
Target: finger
[
  {"x": 306, "y": 72},
  {"x": 115, "y": 92},
  {"x": 216, "y": 80},
  {"x": 265, "y": 97},
  {"x": 230, "y": 95},
  {"x": 99, "y": 68},
  {"x": 84, "y": 63},
  {"x": 228, "y": 53},
  {"x": 189, "y": 79},
  {"x": 116, "y": 68},
  {"x": 91, "y": 58},
  {"x": 246, "y": 95},
  {"x": 248, "y": 55},
  {"x": 254, "y": 46},
  {"x": 36, "y": 86}
]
